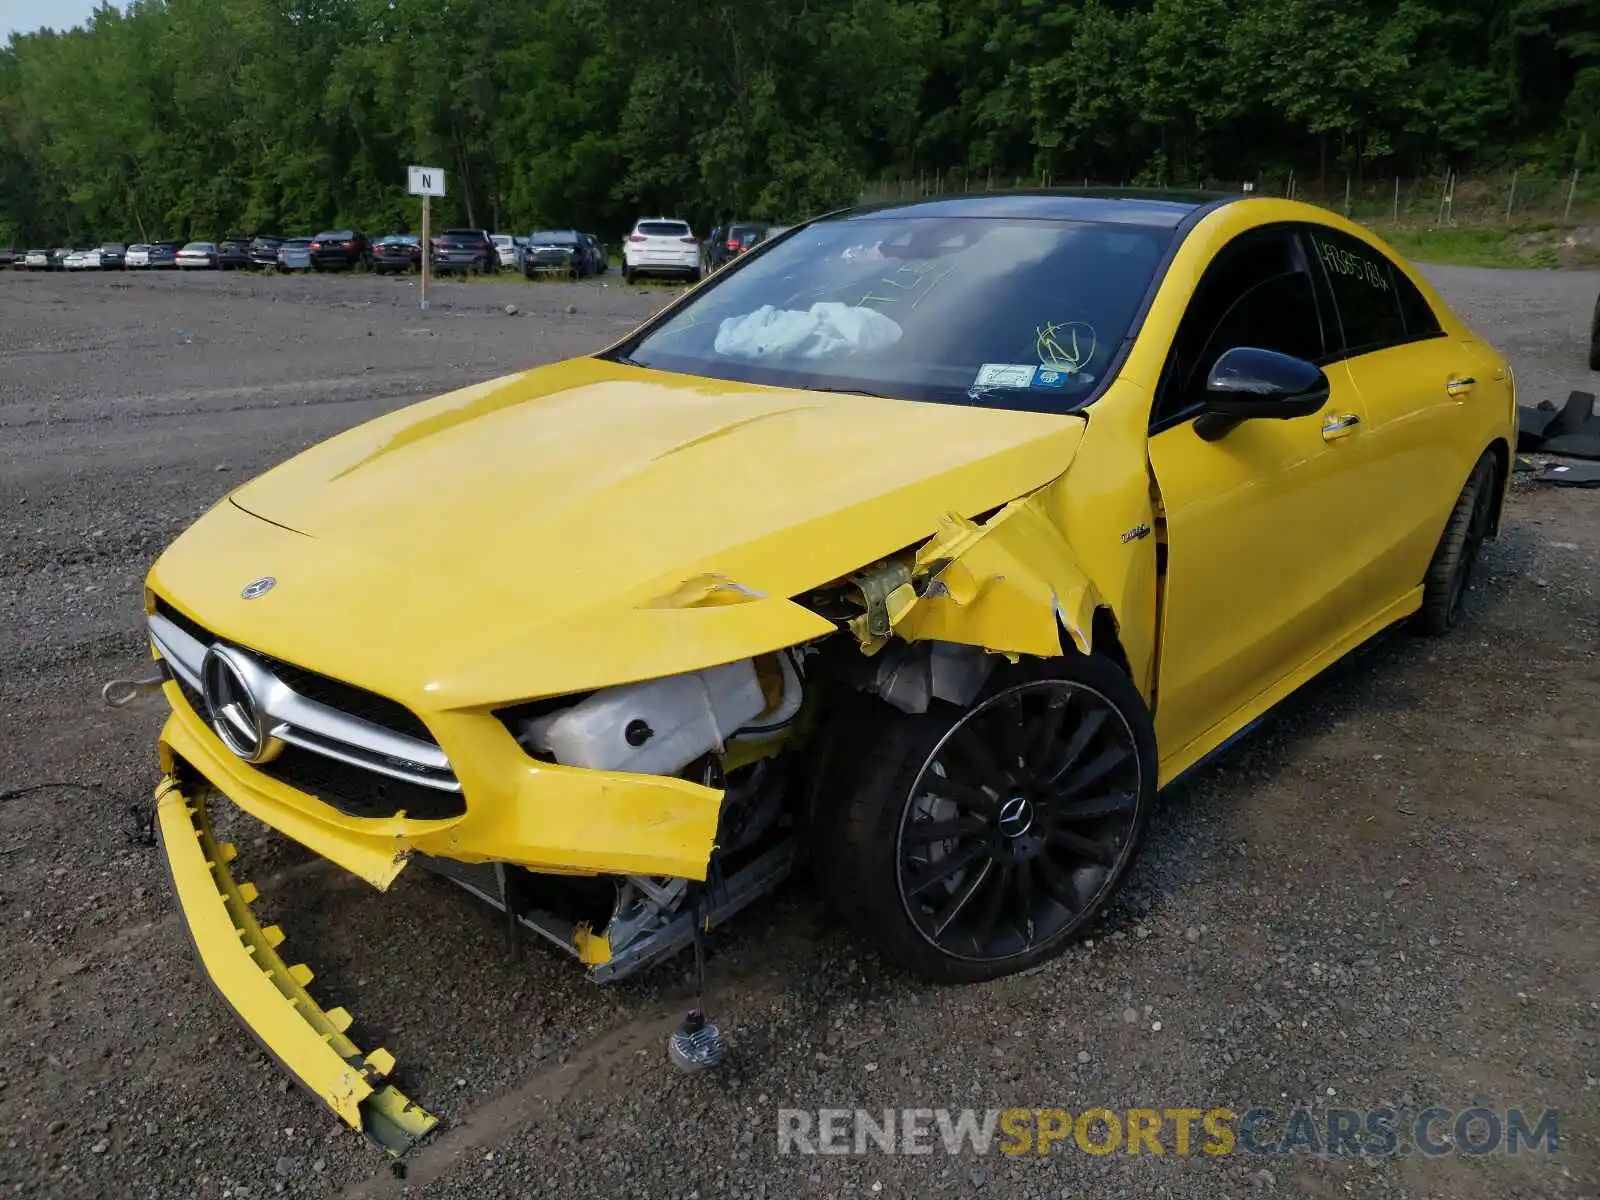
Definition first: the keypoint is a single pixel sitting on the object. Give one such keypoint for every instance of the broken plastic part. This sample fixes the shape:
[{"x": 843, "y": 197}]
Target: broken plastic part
[
  {"x": 911, "y": 675},
  {"x": 241, "y": 959},
  {"x": 1008, "y": 586},
  {"x": 685, "y": 716}
]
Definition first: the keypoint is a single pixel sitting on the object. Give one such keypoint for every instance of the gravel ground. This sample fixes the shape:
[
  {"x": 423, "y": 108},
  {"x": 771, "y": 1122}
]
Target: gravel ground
[{"x": 1386, "y": 896}]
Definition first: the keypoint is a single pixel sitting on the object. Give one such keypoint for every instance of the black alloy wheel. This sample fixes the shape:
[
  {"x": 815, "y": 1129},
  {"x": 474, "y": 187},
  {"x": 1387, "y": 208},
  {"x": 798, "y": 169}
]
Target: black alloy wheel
[
  {"x": 1019, "y": 821},
  {"x": 969, "y": 844}
]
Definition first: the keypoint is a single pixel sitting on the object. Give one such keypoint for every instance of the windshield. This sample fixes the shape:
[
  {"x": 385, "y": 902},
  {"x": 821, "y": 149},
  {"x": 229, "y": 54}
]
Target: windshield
[{"x": 1002, "y": 312}]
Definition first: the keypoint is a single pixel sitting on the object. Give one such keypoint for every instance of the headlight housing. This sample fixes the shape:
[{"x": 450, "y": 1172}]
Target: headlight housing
[{"x": 660, "y": 726}]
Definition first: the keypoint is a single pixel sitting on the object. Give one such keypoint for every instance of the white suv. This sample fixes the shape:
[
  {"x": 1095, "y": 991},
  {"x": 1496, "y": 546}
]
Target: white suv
[{"x": 659, "y": 246}]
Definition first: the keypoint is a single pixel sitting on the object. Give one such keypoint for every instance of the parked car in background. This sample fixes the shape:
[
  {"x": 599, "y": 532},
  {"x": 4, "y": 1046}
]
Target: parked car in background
[
  {"x": 198, "y": 256},
  {"x": 59, "y": 256},
  {"x": 81, "y": 260},
  {"x": 264, "y": 250},
  {"x": 295, "y": 254},
  {"x": 9, "y": 257},
  {"x": 661, "y": 246},
  {"x": 137, "y": 257},
  {"x": 339, "y": 250},
  {"x": 598, "y": 264},
  {"x": 164, "y": 255},
  {"x": 508, "y": 249},
  {"x": 113, "y": 256},
  {"x": 36, "y": 260},
  {"x": 233, "y": 253},
  {"x": 740, "y": 237},
  {"x": 557, "y": 252},
  {"x": 464, "y": 250},
  {"x": 398, "y": 253}
]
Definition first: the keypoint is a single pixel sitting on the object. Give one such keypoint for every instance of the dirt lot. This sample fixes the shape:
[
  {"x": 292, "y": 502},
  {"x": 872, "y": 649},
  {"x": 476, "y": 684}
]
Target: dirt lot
[{"x": 1390, "y": 895}]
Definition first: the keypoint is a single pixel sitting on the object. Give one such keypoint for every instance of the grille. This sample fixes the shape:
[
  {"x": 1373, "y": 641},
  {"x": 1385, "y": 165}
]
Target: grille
[
  {"x": 346, "y": 697},
  {"x": 357, "y": 792},
  {"x": 352, "y": 790}
]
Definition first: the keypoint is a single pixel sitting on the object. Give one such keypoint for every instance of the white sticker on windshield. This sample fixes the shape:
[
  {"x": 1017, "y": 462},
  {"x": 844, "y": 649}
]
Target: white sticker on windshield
[{"x": 1005, "y": 375}]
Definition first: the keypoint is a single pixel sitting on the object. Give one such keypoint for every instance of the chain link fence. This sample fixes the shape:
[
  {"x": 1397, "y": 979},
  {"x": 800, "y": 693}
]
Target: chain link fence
[{"x": 1431, "y": 201}]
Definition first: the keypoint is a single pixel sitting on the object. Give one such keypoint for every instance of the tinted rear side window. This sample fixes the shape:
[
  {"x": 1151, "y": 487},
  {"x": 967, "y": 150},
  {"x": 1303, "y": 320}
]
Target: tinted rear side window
[
  {"x": 1415, "y": 309},
  {"x": 664, "y": 228},
  {"x": 1364, "y": 291}
]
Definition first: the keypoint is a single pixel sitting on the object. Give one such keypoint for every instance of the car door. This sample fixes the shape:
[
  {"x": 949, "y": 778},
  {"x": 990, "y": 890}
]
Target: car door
[
  {"x": 1415, "y": 450},
  {"x": 1257, "y": 535}
]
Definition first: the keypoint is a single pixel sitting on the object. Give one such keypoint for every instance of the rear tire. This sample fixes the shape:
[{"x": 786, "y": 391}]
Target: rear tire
[
  {"x": 1065, "y": 747},
  {"x": 1594, "y": 338},
  {"x": 627, "y": 274},
  {"x": 1444, "y": 587}
]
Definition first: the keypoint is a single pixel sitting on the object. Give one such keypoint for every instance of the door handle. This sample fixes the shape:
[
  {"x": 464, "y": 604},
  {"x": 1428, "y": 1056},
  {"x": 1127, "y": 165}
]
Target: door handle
[
  {"x": 1339, "y": 426},
  {"x": 1460, "y": 385}
]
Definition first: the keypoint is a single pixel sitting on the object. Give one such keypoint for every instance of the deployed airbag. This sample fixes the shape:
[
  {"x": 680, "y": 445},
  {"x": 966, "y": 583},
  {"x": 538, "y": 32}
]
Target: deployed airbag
[{"x": 827, "y": 328}]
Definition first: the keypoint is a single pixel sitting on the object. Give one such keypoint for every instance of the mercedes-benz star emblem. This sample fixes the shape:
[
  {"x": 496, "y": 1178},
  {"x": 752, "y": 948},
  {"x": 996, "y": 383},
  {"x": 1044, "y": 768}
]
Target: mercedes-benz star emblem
[
  {"x": 235, "y": 710},
  {"x": 1016, "y": 817},
  {"x": 258, "y": 587}
]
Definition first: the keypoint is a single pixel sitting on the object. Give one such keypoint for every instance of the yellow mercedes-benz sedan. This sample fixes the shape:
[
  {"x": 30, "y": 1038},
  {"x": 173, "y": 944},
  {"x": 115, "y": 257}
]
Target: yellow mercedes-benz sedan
[{"x": 921, "y": 546}]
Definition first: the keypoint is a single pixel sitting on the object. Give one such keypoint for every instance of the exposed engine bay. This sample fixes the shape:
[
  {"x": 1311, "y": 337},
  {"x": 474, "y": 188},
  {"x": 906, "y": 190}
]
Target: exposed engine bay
[{"x": 746, "y": 728}]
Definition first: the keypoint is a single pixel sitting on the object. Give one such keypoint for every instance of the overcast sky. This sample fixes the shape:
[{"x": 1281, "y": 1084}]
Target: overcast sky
[{"x": 25, "y": 16}]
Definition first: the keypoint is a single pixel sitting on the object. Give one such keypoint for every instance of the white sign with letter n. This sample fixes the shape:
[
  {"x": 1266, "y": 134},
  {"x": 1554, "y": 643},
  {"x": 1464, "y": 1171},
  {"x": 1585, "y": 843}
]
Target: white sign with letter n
[{"x": 425, "y": 181}]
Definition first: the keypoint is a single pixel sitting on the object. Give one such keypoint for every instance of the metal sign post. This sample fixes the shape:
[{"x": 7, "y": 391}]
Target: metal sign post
[{"x": 426, "y": 182}]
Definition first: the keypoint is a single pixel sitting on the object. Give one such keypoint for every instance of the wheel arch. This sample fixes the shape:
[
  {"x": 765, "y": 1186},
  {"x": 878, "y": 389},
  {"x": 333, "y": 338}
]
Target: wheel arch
[{"x": 1502, "y": 477}]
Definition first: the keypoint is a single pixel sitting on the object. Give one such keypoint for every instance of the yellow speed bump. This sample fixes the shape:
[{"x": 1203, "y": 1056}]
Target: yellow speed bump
[{"x": 240, "y": 956}]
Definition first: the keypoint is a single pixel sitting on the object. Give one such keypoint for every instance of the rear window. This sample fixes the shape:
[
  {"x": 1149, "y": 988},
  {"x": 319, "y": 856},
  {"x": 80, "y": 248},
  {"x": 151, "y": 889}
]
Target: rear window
[
  {"x": 745, "y": 233},
  {"x": 664, "y": 228},
  {"x": 335, "y": 235},
  {"x": 554, "y": 237},
  {"x": 461, "y": 235},
  {"x": 297, "y": 243},
  {"x": 399, "y": 239},
  {"x": 997, "y": 312}
]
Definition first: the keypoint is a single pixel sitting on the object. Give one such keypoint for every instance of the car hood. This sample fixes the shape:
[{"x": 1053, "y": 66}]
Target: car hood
[{"x": 526, "y": 536}]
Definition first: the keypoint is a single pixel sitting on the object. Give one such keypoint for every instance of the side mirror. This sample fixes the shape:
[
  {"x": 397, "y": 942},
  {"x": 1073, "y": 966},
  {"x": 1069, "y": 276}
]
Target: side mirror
[{"x": 1251, "y": 384}]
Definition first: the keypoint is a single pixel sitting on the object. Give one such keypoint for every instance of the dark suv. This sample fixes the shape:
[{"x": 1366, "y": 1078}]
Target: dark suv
[
  {"x": 264, "y": 250},
  {"x": 398, "y": 253},
  {"x": 465, "y": 250},
  {"x": 741, "y": 236},
  {"x": 339, "y": 250},
  {"x": 233, "y": 253}
]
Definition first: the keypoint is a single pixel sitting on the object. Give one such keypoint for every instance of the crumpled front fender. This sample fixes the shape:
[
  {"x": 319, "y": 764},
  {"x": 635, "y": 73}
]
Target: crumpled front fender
[{"x": 1009, "y": 586}]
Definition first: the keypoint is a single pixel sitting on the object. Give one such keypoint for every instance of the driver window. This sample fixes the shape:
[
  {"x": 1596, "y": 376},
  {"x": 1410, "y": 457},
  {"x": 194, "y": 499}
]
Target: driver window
[{"x": 1258, "y": 292}]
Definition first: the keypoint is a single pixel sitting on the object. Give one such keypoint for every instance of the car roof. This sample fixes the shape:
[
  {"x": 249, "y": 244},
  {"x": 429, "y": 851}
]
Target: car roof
[{"x": 1153, "y": 207}]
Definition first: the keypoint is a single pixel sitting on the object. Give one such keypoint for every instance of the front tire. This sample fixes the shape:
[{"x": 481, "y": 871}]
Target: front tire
[
  {"x": 967, "y": 844},
  {"x": 1444, "y": 587}
]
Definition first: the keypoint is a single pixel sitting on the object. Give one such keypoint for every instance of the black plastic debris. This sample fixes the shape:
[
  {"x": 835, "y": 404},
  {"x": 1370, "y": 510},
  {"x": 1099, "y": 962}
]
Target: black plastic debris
[
  {"x": 1572, "y": 431},
  {"x": 1578, "y": 475}
]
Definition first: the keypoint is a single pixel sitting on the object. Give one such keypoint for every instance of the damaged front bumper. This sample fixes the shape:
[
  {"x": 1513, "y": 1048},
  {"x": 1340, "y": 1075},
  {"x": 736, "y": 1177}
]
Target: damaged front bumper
[{"x": 241, "y": 958}]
